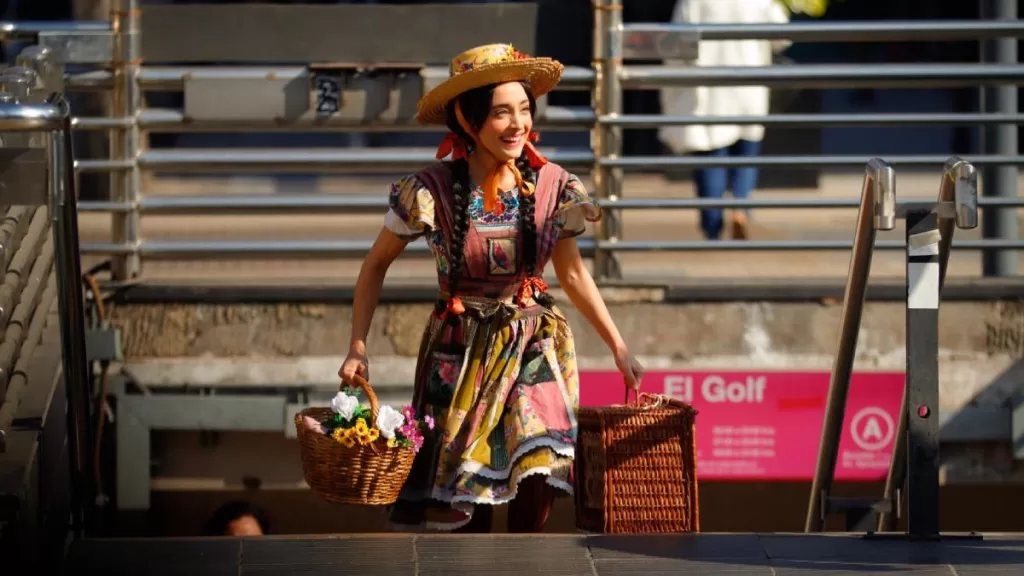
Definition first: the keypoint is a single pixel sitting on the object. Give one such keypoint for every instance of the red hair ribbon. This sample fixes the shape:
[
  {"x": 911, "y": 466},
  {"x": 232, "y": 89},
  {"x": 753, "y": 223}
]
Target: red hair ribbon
[
  {"x": 453, "y": 145},
  {"x": 532, "y": 154},
  {"x": 528, "y": 287}
]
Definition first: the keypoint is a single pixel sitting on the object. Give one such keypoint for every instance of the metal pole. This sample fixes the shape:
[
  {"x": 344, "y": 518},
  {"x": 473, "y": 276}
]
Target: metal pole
[
  {"x": 607, "y": 140},
  {"x": 64, "y": 219},
  {"x": 922, "y": 395},
  {"x": 124, "y": 147},
  {"x": 877, "y": 212},
  {"x": 1000, "y": 180},
  {"x": 959, "y": 185}
]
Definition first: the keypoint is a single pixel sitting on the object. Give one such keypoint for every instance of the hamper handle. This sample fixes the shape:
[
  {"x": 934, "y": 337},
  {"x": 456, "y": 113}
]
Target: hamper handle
[
  {"x": 637, "y": 395},
  {"x": 370, "y": 395},
  {"x": 643, "y": 400}
]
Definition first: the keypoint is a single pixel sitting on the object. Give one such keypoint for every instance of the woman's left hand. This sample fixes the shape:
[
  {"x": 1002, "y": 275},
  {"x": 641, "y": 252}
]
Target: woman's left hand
[{"x": 632, "y": 370}]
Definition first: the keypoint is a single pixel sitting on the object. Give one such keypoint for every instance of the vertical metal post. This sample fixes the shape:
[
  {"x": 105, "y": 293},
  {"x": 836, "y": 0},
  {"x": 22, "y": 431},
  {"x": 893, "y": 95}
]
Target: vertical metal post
[
  {"x": 127, "y": 98},
  {"x": 922, "y": 395},
  {"x": 959, "y": 186},
  {"x": 877, "y": 212},
  {"x": 49, "y": 73},
  {"x": 1000, "y": 139},
  {"x": 17, "y": 84},
  {"x": 64, "y": 221},
  {"x": 606, "y": 141}
]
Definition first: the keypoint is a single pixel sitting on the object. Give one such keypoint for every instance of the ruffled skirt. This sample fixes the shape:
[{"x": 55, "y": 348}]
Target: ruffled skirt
[{"x": 504, "y": 390}]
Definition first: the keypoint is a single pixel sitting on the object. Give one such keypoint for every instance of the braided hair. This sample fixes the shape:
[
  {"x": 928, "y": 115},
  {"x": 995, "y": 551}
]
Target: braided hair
[{"x": 476, "y": 107}]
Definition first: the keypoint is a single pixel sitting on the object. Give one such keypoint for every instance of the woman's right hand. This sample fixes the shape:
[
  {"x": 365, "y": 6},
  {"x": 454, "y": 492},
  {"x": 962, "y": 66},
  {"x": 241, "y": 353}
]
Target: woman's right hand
[{"x": 355, "y": 363}]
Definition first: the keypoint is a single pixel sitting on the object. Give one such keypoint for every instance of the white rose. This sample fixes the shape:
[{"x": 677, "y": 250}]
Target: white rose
[
  {"x": 388, "y": 419},
  {"x": 344, "y": 404}
]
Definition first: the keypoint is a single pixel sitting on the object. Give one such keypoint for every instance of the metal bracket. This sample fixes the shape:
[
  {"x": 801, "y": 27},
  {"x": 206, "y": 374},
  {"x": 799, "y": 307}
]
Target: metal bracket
[
  {"x": 642, "y": 42},
  {"x": 81, "y": 47},
  {"x": 861, "y": 513},
  {"x": 50, "y": 72},
  {"x": 103, "y": 344},
  {"x": 1017, "y": 426}
]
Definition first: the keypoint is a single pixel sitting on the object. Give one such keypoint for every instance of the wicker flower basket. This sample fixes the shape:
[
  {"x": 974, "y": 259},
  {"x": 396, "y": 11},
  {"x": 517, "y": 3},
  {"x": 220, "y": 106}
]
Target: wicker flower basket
[
  {"x": 371, "y": 474},
  {"x": 636, "y": 467}
]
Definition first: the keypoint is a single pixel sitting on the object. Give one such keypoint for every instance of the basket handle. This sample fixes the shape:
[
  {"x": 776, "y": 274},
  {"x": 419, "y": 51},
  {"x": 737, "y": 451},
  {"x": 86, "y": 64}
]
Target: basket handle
[
  {"x": 643, "y": 400},
  {"x": 361, "y": 382}
]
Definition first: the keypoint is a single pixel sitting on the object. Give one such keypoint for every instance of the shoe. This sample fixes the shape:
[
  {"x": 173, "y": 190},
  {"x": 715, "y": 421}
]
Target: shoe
[{"x": 739, "y": 226}]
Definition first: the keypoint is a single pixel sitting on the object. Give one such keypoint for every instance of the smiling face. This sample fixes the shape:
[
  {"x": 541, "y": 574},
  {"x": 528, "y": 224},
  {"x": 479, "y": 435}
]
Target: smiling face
[
  {"x": 503, "y": 121},
  {"x": 510, "y": 119}
]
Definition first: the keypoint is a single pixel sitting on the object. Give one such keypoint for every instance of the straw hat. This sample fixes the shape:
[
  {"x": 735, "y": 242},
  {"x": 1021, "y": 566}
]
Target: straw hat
[{"x": 483, "y": 65}]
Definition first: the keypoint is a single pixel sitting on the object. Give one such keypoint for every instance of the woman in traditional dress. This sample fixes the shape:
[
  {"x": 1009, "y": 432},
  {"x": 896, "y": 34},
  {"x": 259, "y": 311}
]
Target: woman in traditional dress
[{"x": 497, "y": 366}]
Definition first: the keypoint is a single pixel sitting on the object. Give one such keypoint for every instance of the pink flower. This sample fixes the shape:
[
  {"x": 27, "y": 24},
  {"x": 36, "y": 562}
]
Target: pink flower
[
  {"x": 448, "y": 373},
  {"x": 430, "y": 421},
  {"x": 407, "y": 430},
  {"x": 409, "y": 413}
]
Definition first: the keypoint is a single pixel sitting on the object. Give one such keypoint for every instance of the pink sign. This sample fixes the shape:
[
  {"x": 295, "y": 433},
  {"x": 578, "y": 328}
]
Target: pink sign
[{"x": 765, "y": 425}]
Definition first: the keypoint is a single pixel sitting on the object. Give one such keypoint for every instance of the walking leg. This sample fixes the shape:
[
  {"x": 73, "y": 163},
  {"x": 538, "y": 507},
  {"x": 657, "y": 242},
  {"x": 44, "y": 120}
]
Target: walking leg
[
  {"x": 742, "y": 181},
  {"x": 480, "y": 523},
  {"x": 530, "y": 510},
  {"x": 710, "y": 184}
]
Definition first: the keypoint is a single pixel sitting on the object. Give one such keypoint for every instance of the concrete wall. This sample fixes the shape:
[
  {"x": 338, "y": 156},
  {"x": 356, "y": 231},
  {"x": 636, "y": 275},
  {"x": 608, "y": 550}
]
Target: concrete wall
[{"x": 303, "y": 344}]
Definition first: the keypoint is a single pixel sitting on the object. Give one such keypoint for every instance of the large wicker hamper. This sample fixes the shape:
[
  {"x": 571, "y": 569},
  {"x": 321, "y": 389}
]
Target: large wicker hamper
[{"x": 636, "y": 468}]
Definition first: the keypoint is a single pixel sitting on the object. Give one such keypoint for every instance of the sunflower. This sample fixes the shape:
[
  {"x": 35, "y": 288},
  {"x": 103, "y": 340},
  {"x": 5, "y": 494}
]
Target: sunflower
[
  {"x": 339, "y": 433},
  {"x": 373, "y": 434},
  {"x": 392, "y": 442},
  {"x": 361, "y": 428},
  {"x": 348, "y": 441}
]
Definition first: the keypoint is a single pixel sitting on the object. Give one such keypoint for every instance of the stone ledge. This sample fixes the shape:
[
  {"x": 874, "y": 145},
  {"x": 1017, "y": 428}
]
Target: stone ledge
[
  {"x": 653, "y": 290},
  {"x": 685, "y": 332}
]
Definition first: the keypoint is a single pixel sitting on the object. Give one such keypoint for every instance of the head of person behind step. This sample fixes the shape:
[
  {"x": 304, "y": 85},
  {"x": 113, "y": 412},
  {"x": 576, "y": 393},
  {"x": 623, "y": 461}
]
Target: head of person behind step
[{"x": 237, "y": 518}]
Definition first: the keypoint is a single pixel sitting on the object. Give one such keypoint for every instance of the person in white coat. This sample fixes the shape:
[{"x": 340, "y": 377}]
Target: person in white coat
[{"x": 722, "y": 140}]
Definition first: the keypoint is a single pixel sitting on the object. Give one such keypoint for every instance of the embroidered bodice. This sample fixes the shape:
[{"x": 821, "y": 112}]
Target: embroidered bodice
[{"x": 420, "y": 205}]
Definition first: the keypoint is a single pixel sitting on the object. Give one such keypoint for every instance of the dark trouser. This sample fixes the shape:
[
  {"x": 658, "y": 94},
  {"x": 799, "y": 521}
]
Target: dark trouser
[
  {"x": 712, "y": 182},
  {"x": 528, "y": 513}
]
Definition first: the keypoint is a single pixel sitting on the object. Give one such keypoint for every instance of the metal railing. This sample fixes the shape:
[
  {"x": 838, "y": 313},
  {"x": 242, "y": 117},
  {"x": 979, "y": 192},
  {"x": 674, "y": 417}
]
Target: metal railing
[
  {"x": 929, "y": 236},
  {"x": 615, "y": 43},
  {"x": 127, "y": 79},
  {"x": 44, "y": 398}
]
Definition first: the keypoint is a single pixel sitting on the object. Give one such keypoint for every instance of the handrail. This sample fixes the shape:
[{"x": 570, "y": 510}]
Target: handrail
[
  {"x": 378, "y": 204},
  {"x": 809, "y": 76},
  {"x": 207, "y": 249},
  {"x": 54, "y": 118},
  {"x": 815, "y": 120},
  {"x": 29, "y": 29},
  {"x": 885, "y": 31},
  {"x": 877, "y": 212},
  {"x": 29, "y": 117},
  {"x": 959, "y": 185},
  {"x": 650, "y": 162}
]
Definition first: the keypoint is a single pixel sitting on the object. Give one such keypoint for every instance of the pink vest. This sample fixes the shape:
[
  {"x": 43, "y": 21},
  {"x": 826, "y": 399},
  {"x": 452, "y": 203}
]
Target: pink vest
[{"x": 492, "y": 265}]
